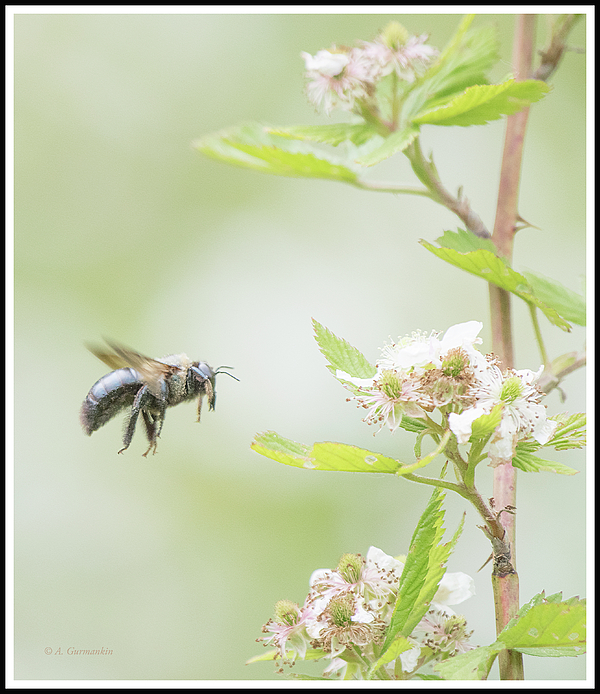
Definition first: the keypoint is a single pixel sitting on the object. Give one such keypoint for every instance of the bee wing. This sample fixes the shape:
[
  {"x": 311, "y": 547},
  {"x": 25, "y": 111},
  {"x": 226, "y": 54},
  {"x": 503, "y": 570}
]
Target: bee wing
[{"x": 151, "y": 371}]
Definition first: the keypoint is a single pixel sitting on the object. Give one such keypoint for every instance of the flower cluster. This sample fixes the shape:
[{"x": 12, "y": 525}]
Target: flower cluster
[
  {"x": 423, "y": 372},
  {"x": 348, "y": 610},
  {"x": 343, "y": 76}
]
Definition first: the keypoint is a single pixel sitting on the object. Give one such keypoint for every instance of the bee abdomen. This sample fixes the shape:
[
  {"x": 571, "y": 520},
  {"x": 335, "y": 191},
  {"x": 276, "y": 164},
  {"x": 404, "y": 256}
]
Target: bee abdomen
[{"x": 107, "y": 397}]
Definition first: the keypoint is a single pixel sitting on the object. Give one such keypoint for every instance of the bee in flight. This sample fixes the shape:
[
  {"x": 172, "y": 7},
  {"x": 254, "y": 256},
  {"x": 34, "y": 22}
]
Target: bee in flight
[{"x": 147, "y": 386}]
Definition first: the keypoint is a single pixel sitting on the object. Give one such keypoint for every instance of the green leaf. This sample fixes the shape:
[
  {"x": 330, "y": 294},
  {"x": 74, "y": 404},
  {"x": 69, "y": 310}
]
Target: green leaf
[
  {"x": 332, "y": 456},
  {"x": 423, "y": 570},
  {"x": 569, "y": 304},
  {"x": 330, "y": 134},
  {"x": 343, "y": 457},
  {"x": 328, "y": 455},
  {"x": 481, "y": 104},
  {"x": 341, "y": 355},
  {"x": 465, "y": 241},
  {"x": 396, "y": 142},
  {"x": 463, "y": 63},
  {"x": 545, "y": 627},
  {"x": 473, "y": 665},
  {"x": 531, "y": 463},
  {"x": 493, "y": 269},
  {"x": 548, "y": 628},
  {"x": 253, "y": 147},
  {"x": 570, "y": 431},
  {"x": 569, "y": 434}
]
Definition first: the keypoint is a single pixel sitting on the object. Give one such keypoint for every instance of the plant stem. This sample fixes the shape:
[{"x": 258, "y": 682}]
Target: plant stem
[
  {"x": 506, "y": 596},
  {"x": 426, "y": 172},
  {"x": 552, "y": 55},
  {"x": 538, "y": 335},
  {"x": 391, "y": 188}
]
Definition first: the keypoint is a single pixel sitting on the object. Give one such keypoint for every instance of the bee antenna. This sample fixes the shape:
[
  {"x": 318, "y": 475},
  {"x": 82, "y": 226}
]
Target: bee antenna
[{"x": 218, "y": 371}]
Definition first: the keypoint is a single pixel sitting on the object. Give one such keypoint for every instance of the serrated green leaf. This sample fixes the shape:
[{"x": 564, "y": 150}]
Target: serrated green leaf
[
  {"x": 548, "y": 629},
  {"x": 545, "y": 627},
  {"x": 341, "y": 355},
  {"x": 396, "y": 142},
  {"x": 426, "y": 537},
  {"x": 423, "y": 570},
  {"x": 345, "y": 458},
  {"x": 473, "y": 665},
  {"x": 329, "y": 134},
  {"x": 253, "y": 147},
  {"x": 493, "y": 269},
  {"x": 527, "y": 462},
  {"x": 568, "y": 303},
  {"x": 481, "y": 104},
  {"x": 283, "y": 450},
  {"x": 569, "y": 434},
  {"x": 463, "y": 63},
  {"x": 328, "y": 455},
  {"x": 465, "y": 241}
]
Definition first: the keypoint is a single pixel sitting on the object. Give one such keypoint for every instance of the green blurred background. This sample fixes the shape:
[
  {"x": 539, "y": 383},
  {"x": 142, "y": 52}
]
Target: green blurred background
[{"x": 122, "y": 230}]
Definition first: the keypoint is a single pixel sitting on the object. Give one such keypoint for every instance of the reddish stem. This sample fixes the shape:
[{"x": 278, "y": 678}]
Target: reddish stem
[{"x": 506, "y": 584}]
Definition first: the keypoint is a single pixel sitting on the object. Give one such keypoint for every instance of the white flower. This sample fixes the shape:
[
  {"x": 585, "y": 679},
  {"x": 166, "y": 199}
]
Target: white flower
[
  {"x": 445, "y": 633},
  {"x": 463, "y": 335},
  {"x": 390, "y": 397},
  {"x": 461, "y": 424},
  {"x": 410, "y": 658},
  {"x": 420, "y": 350},
  {"x": 329, "y": 64},
  {"x": 337, "y": 79},
  {"x": 406, "y": 382},
  {"x": 378, "y": 576},
  {"x": 407, "y": 59},
  {"x": 454, "y": 588},
  {"x": 522, "y": 412},
  {"x": 408, "y": 353},
  {"x": 288, "y": 629}
]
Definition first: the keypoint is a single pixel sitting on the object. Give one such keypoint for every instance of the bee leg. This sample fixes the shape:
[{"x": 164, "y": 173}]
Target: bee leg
[
  {"x": 150, "y": 423},
  {"x": 210, "y": 394},
  {"x": 133, "y": 417},
  {"x": 151, "y": 447}
]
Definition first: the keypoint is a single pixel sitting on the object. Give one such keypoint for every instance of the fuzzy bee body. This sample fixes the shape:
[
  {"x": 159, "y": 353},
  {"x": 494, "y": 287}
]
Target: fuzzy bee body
[{"x": 147, "y": 387}]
